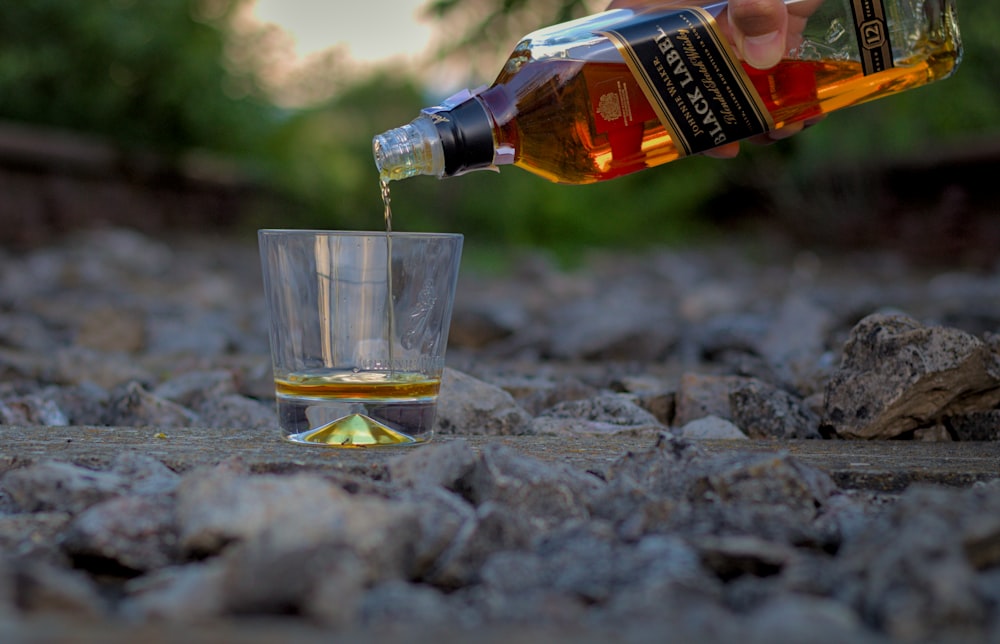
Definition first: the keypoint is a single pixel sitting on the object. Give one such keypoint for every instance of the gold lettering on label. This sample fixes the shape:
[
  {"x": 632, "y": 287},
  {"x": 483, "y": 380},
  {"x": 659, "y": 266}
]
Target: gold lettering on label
[{"x": 873, "y": 35}]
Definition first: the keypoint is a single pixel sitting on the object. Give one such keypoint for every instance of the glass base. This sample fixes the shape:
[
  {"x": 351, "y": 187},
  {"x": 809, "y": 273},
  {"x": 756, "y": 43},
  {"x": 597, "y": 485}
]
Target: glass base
[
  {"x": 352, "y": 424},
  {"x": 355, "y": 430}
]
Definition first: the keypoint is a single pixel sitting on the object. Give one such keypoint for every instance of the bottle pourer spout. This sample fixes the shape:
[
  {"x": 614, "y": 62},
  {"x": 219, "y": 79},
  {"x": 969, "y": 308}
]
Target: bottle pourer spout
[{"x": 408, "y": 151}]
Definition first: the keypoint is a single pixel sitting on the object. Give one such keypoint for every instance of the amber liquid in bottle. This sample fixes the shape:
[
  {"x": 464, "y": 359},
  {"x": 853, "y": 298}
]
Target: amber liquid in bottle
[{"x": 553, "y": 125}]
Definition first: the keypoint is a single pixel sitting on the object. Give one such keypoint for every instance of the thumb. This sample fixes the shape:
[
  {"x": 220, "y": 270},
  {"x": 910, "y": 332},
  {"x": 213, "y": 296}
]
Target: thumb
[{"x": 759, "y": 30}]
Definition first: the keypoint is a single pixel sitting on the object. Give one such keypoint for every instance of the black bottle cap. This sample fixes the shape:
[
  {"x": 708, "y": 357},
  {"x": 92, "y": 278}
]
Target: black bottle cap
[{"x": 466, "y": 138}]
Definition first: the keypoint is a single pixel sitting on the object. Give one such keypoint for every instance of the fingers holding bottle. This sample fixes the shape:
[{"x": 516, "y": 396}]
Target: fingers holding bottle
[{"x": 759, "y": 30}]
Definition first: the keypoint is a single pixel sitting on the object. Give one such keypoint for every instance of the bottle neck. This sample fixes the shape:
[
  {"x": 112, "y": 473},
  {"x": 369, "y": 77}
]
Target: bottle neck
[
  {"x": 466, "y": 133},
  {"x": 439, "y": 142}
]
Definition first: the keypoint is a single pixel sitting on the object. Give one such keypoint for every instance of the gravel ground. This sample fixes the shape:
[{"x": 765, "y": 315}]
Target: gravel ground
[{"x": 664, "y": 353}]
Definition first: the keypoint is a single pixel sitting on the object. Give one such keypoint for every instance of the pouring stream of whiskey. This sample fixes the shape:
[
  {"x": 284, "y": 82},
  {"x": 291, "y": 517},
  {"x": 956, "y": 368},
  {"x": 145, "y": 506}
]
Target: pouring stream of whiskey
[{"x": 391, "y": 321}]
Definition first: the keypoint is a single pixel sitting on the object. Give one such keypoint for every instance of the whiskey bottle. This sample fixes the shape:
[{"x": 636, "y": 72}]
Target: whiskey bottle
[{"x": 623, "y": 90}]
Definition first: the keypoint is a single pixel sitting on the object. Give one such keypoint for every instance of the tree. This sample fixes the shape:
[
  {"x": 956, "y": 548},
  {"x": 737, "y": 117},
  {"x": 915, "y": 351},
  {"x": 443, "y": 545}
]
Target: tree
[{"x": 149, "y": 73}]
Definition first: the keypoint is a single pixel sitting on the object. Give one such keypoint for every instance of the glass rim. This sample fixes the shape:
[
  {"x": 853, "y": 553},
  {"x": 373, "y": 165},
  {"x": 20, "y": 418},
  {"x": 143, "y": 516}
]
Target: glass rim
[{"x": 315, "y": 232}]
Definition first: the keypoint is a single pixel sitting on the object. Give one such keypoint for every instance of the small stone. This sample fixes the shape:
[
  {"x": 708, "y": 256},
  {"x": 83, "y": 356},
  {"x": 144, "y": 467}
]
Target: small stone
[
  {"x": 45, "y": 589},
  {"x": 83, "y": 404},
  {"x": 712, "y": 428},
  {"x": 193, "y": 388},
  {"x": 190, "y": 593},
  {"x": 974, "y": 426},
  {"x": 495, "y": 528},
  {"x": 798, "y": 618},
  {"x": 445, "y": 464},
  {"x": 235, "y": 410},
  {"x": 764, "y": 411},
  {"x": 397, "y": 602},
  {"x": 766, "y": 479},
  {"x": 441, "y": 516},
  {"x": 52, "y": 486},
  {"x": 144, "y": 474},
  {"x": 617, "y": 410},
  {"x": 641, "y": 329},
  {"x": 795, "y": 343},
  {"x": 31, "y": 410},
  {"x": 705, "y": 395},
  {"x": 218, "y": 506},
  {"x": 112, "y": 329},
  {"x": 203, "y": 334},
  {"x": 543, "y": 493},
  {"x": 78, "y": 365},
  {"x": 134, "y": 406},
  {"x": 25, "y": 332},
  {"x": 661, "y": 470},
  {"x": 732, "y": 556},
  {"x": 33, "y": 536},
  {"x": 536, "y": 395},
  {"x": 136, "y": 533},
  {"x": 467, "y": 405}
]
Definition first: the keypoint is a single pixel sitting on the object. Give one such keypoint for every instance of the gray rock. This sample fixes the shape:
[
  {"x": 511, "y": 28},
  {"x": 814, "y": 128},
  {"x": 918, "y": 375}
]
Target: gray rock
[
  {"x": 662, "y": 470},
  {"x": 144, "y": 475},
  {"x": 83, "y": 404},
  {"x": 536, "y": 394},
  {"x": 25, "y": 332},
  {"x": 583, "y": 329},
  {"x": 662, "y": 404},
  {"x": 323, "y": 580},
  {"x": 193, "y": 388},
  {"x": 795, "y": 343},
  {"x": 441, "y": 517},
  {"x": 796, "y": 618},
  {"x": 495, "y": 528},
  {"x": 79, "y": 365},
  {"x": 712, "y": 428},
  {"x": 405, "y": 604},
  {"x": 337, "y": 596},
  {"x": 912, "y": 572},
  {"x": 127, "y": 250},
  {"x": 133, "y": 406},
  {"x": 234, "y": 410},
  {"x": 614, "y": 411},
  {"x": 975, "y": 426},
  {"x": 221, "y": 505},
  {"x": 445, "y": 464},
  {"x": 55, "y": 591},
  {"x": 700, "y": 395},
  {"x": 590, "y": 564},
  {"x": 467, "y": 405},
  {"x": 545, "y": 494},
  {"x": 551, "y": 426},
  {"x": 53, "y": 486},
  {"x": 136, "y": 533},
  {"x": 111, "y": 329},
  {"x": 765, "y": 480},
  {"x": 764, "y": 411},
  {"x": 194, "y": 333},
  {"x": 31, "y": 410},
  {"x": 898, "y": 375},
  {"x": 731, "y": 556},
  {"x": 193, "y": 593}
]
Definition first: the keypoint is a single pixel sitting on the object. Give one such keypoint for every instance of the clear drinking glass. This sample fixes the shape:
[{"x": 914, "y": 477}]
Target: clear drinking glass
[{"x": 358, "y": 328}]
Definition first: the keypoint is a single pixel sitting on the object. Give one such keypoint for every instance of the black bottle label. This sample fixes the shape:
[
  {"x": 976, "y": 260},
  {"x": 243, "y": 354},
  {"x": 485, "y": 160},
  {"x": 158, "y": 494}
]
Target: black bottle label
[
  {"x": 694, "y": 82},
  {"x": 872, "y": 32}
]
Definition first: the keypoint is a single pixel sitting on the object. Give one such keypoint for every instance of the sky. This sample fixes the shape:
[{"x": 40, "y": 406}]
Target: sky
[{"x": 373, "y": 31}]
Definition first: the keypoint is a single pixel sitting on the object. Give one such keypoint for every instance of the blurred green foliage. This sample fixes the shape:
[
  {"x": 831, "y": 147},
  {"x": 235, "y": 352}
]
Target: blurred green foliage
[
  {"x": 154, "y": 73},
  {"x": 147, "y": 73}
]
